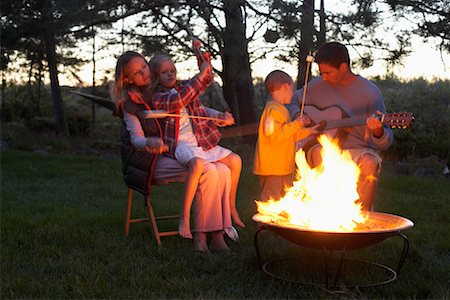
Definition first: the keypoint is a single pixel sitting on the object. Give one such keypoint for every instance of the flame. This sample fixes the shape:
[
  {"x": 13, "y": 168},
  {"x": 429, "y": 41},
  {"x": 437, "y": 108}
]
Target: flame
[{"x": 323, "y": 198}]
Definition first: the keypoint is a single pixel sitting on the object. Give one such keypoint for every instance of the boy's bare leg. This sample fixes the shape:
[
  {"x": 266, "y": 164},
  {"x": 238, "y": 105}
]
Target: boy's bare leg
[
  {"x": 196, "y": 166},
  {"x": 218, "y": 241},
  {"x": 199, "y": 242},
  {"x": 234, "y": 162}
]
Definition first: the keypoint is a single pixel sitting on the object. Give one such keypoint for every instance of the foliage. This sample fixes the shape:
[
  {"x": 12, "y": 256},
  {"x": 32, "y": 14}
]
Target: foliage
[
  {"x": 429, "y": 136},
  {"x": 62, "y": 237},
  {"x": 430, "y": 103},
  {"x": 431, "y": 18}
]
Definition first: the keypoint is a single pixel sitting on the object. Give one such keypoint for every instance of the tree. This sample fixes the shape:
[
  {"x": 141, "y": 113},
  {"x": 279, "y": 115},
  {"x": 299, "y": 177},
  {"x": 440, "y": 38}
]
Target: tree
[
  {"x": 224, "y": 23},
  {"x": 431, "y": 18},
  {"x": 43, "y": 23}
]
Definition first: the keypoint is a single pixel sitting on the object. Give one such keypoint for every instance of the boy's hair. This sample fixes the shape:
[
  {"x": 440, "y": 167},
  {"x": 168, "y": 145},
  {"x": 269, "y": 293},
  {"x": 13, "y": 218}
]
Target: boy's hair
[
  {"x": 155, "y": 63},
  {"x": 117, "y": 92},
  {"x": 276, "y": 79},
  {"x": 333, "y": 54}
]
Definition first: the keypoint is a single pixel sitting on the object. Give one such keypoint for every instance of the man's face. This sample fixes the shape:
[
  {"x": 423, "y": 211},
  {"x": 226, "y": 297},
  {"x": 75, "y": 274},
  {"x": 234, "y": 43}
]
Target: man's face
[{"x": 332, "y": 75}]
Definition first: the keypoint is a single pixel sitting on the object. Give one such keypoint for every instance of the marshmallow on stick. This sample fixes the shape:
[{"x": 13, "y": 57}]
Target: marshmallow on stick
[{"x": 158, "y": 114}]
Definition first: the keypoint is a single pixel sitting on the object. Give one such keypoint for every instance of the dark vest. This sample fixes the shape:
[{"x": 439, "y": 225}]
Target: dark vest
[{"x": 138, "y": 165}]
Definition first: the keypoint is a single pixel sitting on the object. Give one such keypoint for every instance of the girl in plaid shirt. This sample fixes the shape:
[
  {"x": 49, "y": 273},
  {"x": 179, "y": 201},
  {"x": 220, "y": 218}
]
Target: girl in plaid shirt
[{"x": 192, "y": 142}]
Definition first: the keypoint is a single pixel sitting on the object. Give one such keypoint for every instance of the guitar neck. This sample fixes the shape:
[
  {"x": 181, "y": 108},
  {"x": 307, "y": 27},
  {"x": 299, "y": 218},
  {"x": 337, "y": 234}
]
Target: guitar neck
[{"x": 348, "y": 122}]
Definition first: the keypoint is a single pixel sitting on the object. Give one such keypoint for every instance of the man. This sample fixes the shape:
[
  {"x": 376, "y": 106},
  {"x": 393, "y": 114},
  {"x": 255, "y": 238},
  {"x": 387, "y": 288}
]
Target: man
[{"x": 338, "y": 88}]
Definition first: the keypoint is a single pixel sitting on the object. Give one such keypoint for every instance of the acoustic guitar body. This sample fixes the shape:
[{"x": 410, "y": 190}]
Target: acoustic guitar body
[{"x": 317, "y": 116}]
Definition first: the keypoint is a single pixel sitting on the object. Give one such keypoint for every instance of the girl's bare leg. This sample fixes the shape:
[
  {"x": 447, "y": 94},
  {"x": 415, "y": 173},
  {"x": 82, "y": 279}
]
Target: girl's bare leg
[
  {"x": 200, "y": 244},
  {"x": 196, "y": 166},
  {"x": 218, "y": 241},
  {"x": 234, "y": 162}
]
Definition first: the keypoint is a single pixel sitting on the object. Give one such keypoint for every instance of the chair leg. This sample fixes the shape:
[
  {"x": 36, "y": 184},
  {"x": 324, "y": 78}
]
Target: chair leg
[
  {"x": 152, "y": 218},
  {"x": 128, "y": 213}
]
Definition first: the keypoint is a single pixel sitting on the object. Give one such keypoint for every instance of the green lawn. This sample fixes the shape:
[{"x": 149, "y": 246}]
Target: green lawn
[{"x": 62, "y": 237}]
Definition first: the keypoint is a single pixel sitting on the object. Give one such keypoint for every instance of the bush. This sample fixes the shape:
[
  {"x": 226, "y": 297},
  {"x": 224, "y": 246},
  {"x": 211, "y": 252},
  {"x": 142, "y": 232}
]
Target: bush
[{"x": 430, "y": 103}]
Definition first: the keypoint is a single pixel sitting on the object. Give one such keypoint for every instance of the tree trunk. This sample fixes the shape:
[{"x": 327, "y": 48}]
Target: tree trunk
[
  {"x": 322, "y": 17},
  {"x": 238, "y": 84},
  {"x": 306, "y": 43},
  {"x": 93, "y": 74},
  {"x": 58, "y": 105}
]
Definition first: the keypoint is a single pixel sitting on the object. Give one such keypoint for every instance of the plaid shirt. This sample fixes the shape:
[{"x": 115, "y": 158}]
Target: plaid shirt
[{"x": 186, "y": 94}]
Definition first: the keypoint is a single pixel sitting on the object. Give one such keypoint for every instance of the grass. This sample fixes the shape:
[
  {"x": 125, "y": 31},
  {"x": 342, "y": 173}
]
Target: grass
[{"x": 62, "y": 237}]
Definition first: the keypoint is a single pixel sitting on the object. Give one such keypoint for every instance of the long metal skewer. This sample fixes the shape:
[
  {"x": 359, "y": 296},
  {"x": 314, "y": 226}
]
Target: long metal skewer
[
  {"x": 158, "y": 115},
  {"x": 309, "y": 59}
]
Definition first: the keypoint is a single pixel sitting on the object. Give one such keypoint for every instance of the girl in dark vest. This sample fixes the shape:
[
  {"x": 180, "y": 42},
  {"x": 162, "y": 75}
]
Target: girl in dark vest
[{"x": 143, "y": 157}]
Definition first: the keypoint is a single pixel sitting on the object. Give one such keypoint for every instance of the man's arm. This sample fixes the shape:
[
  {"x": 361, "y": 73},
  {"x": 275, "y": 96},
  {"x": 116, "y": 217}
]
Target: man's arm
[{"x": 294, "y": 106}]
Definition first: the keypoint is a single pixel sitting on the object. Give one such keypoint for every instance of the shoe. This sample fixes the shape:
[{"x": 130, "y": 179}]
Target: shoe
[{"x": 232, "y": 233}]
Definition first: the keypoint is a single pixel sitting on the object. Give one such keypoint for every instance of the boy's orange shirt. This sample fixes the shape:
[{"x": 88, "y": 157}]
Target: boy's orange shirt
[{"x": 275, "y": 153}]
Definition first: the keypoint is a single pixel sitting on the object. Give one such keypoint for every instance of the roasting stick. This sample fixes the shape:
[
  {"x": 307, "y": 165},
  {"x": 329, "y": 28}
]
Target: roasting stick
[
  {"x": 309, "y": 60},
  {"x": 214, "y": 83},
  {"x": 158, "y": 114}
]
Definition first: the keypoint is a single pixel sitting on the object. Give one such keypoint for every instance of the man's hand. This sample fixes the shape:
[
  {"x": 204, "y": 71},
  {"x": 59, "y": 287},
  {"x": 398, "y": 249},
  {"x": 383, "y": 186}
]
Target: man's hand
[
  {"x": 226, "y": 119},
  {"x": 156, "y": 145},
  {"x": 375, "y": 126}
]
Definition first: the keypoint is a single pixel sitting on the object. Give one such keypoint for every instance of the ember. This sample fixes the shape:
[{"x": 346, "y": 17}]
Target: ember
[{"x": 323, "y": 198}]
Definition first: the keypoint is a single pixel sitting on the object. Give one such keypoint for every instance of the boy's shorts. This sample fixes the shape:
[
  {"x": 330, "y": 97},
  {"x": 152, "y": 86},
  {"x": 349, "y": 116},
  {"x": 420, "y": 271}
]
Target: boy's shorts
[{"x": 274, "y": 186}]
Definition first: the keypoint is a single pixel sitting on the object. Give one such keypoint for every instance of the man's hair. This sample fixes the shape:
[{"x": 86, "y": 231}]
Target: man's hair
[
  {"x": 276, "y": 79},
  {"x": 333, "y": 54}
]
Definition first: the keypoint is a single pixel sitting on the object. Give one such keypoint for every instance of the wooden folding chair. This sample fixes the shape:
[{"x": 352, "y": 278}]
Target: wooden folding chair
[{"x": 151, "y": 214}]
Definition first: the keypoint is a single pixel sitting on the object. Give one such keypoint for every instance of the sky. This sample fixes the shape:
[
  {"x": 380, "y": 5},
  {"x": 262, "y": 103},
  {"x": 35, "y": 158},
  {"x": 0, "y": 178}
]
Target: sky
[{"x": 424, "y": 61}]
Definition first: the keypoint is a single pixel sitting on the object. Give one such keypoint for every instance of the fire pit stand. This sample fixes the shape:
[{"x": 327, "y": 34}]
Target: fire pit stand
[{"x": 328, "y": 242}]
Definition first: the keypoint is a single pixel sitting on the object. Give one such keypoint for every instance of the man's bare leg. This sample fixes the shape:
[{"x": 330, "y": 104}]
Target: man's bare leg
[{"x": 370, "y": 168}]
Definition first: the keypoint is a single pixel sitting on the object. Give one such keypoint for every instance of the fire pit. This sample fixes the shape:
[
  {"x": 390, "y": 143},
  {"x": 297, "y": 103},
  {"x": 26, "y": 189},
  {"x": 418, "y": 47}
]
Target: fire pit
[
  {"x": 378, "y": 227},
  {"x": 322, "y": 210}
]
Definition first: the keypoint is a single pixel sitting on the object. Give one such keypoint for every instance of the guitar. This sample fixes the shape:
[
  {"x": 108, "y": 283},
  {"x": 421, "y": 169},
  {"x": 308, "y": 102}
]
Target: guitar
[{"x": 332, "y": 118}]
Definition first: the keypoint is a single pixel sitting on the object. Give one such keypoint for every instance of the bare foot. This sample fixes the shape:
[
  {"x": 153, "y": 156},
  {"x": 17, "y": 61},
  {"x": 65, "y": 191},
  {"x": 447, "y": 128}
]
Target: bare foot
[
  {"x": 236, "y": 219},
  {"x": 218, "y": 242},
  {"x": 199, "y": 242},
  {"x": 184, "y": 228}
]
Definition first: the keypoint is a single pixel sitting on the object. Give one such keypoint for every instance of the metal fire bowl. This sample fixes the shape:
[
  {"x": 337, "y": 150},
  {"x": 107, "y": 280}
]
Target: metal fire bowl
[{"x": 378, "y": 227}]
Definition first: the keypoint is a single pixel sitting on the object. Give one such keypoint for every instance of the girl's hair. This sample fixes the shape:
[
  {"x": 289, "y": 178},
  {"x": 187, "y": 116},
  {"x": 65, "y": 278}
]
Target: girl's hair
[
  {"x": 155, "y": 64},
  {"x": 120, "y": 86}
]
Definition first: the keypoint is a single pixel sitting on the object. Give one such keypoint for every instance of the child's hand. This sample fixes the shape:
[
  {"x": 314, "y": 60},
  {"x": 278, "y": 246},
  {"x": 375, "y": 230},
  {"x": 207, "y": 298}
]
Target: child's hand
[
  {"x": 156, "y": 145},
  {"x": 315, "y": 129},
  {"x": 226, "y": 118},
  {"x": 303, "y": 121},
  {"x": 205, "y": 72},
  {"x": 196, "y": 44}
]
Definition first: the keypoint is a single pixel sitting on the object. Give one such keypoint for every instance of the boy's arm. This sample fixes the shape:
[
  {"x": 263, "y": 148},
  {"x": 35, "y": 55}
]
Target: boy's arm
[{"x": 281, "y": 130}]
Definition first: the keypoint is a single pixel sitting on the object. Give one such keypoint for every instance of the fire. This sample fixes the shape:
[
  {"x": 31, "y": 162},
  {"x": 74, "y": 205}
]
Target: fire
[{"x": 323, "y": 198}]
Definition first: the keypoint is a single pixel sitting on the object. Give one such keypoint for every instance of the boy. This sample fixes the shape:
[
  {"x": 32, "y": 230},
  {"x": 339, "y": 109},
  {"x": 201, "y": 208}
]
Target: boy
[{"x": 277, "y": 134}]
